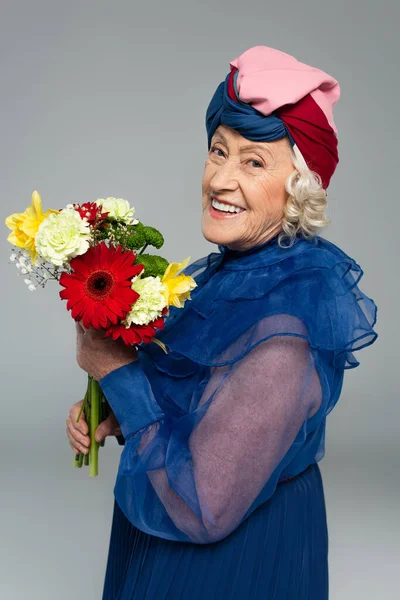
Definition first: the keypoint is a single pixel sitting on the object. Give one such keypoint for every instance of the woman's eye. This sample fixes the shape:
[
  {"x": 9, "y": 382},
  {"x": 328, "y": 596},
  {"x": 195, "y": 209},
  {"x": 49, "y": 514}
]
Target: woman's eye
[
  {"x": 256, "y": 163},
  {"x": 214, "y": 150}
]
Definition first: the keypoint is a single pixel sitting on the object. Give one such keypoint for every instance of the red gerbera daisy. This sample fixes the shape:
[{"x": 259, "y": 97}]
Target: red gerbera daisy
[
  {"x": 136, "y": 334},
  {"x": 99, "y": 290}
]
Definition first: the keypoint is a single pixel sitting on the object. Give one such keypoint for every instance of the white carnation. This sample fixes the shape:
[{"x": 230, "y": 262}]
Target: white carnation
[
  {"x": 62, "y": 236},
  {"x": 151, "y": 302},
  {"x": 118, "y": 209}
]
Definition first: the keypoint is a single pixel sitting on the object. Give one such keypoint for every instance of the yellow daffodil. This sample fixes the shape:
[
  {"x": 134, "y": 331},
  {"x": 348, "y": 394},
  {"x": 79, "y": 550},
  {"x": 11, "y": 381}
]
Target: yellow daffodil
[
  {"x": 24, "y": 226},
  {"x": 177, "y": 287}
]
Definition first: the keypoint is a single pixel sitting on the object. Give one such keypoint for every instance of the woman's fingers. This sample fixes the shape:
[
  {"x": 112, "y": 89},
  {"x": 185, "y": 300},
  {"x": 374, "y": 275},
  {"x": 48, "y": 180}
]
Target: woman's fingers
[
  {"x": 75, "y": 444},
  {"x": 74, "y": 412},
  {"x": 77, "y": 431},
  {"x": 76, "y": 438}
]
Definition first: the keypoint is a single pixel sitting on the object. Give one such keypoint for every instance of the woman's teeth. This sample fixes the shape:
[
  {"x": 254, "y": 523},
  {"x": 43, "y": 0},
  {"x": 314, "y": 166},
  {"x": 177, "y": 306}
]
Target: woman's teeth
[{"x": 225, "y": 207}]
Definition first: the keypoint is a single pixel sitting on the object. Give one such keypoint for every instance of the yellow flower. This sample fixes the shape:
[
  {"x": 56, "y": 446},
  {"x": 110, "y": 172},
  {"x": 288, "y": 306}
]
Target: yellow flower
[
  {"x": 177, "y": 287},
  {"x": 24, "y": 226}
]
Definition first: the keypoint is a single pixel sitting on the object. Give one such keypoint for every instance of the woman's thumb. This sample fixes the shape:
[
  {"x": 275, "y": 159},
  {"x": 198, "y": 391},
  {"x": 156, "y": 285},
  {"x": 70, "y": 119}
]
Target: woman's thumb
[{"x": 103, "y": 430}]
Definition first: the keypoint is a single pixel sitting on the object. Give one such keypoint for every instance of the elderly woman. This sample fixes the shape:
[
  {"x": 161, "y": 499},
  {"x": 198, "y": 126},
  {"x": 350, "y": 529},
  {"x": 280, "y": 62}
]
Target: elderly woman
[{"x": 218, "y": 492}]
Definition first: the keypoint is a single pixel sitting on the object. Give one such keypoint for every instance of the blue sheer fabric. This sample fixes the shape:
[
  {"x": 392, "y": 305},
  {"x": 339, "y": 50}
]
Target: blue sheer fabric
[
  {"x": 255, "y": 363},
  {"x": 279, "y": 553}
]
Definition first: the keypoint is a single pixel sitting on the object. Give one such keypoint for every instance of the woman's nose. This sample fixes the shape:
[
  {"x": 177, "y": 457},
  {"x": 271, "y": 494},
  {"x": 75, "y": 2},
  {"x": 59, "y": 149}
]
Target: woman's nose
[{"x": 224, "y": 177}]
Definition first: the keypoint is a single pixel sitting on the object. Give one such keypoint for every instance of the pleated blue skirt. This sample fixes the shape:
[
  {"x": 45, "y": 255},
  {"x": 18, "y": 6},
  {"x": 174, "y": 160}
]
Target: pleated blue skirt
[{"x": 280, "y": 552}]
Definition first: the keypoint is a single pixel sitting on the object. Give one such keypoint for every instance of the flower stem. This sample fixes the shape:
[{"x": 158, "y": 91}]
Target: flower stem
[
  {"x": 77, "y": 462},
  {"x": 85, "y": 400},
  {"x": 95, "y": 398},
  {"x": 159, "y": 343}
]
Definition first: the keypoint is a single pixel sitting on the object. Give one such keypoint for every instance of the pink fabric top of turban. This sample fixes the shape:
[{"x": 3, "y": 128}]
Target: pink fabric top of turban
[{"x": 302, "y": 96}]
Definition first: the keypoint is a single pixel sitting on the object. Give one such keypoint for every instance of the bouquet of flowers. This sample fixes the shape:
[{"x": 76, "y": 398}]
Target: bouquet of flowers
[{"x": 96, "y": 251}]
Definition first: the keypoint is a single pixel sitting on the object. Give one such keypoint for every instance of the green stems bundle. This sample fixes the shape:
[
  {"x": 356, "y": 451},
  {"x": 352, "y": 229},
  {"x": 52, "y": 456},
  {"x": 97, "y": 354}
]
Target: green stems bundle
[{"x": 96, "y": 409}]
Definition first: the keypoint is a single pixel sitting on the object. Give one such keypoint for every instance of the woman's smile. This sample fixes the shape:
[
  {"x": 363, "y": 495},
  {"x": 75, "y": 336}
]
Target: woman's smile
[{"x": 222, "y": 209}]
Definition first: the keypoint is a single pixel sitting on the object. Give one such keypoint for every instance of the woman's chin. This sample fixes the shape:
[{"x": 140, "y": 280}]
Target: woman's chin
[
  {"x": 217, "y": 232},
  {"x": 216, "y": 236}
]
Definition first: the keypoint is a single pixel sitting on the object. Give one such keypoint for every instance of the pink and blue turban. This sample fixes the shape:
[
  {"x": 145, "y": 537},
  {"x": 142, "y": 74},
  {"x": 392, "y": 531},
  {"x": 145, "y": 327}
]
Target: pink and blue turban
[{"x": 268, "y": 95}]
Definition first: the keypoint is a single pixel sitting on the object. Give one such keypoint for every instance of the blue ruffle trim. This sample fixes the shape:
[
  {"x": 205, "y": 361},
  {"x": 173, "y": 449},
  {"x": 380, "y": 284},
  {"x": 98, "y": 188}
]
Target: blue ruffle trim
[{"x": 242, "y": 299}]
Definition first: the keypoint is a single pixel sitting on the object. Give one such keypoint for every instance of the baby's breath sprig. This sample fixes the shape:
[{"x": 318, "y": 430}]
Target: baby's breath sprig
[{"x": 39, "y": 273}]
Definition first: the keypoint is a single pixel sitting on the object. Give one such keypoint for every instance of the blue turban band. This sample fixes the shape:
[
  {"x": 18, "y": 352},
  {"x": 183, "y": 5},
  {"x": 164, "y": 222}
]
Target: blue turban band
[{"x": 242, "y": 117}]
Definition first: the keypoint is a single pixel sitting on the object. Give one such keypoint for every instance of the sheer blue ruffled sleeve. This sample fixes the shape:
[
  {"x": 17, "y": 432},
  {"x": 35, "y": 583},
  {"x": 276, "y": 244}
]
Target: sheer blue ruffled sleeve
[
  {"x": 255, "y": 363},
  {"x": 194, "y": 476}
]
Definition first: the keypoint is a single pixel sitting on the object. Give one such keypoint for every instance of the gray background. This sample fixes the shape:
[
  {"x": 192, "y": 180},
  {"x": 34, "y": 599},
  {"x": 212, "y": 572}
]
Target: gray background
[{"x": 108, "y": 99}]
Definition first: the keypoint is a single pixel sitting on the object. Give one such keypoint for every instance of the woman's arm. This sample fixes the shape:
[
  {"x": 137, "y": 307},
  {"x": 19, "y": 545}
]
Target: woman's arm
[{"x": 205, "y": 469}]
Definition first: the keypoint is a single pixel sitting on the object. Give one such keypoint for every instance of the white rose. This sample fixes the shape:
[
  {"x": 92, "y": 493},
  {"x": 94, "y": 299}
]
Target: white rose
[
  {"x": 62, "y": 236},
  {"x": 151, "y": 302},
  {"x": 118, "y": 209}
]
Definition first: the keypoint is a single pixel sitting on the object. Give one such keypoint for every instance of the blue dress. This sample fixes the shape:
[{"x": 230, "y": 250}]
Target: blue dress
[{"x": 218, "y": 491}]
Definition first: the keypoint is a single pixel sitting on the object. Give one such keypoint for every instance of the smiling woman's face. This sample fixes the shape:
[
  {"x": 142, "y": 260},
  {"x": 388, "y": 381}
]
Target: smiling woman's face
[{"x": 245, "y": 175}]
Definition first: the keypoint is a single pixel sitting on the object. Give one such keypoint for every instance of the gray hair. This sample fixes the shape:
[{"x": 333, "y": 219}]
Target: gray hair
[{"x": 304, "y": 212}]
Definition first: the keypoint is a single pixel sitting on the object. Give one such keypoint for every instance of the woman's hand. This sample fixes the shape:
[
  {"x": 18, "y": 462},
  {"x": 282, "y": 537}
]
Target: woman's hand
[
  {"x": 99, "y": 356},
  {"x": 78, "y": 432}
]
